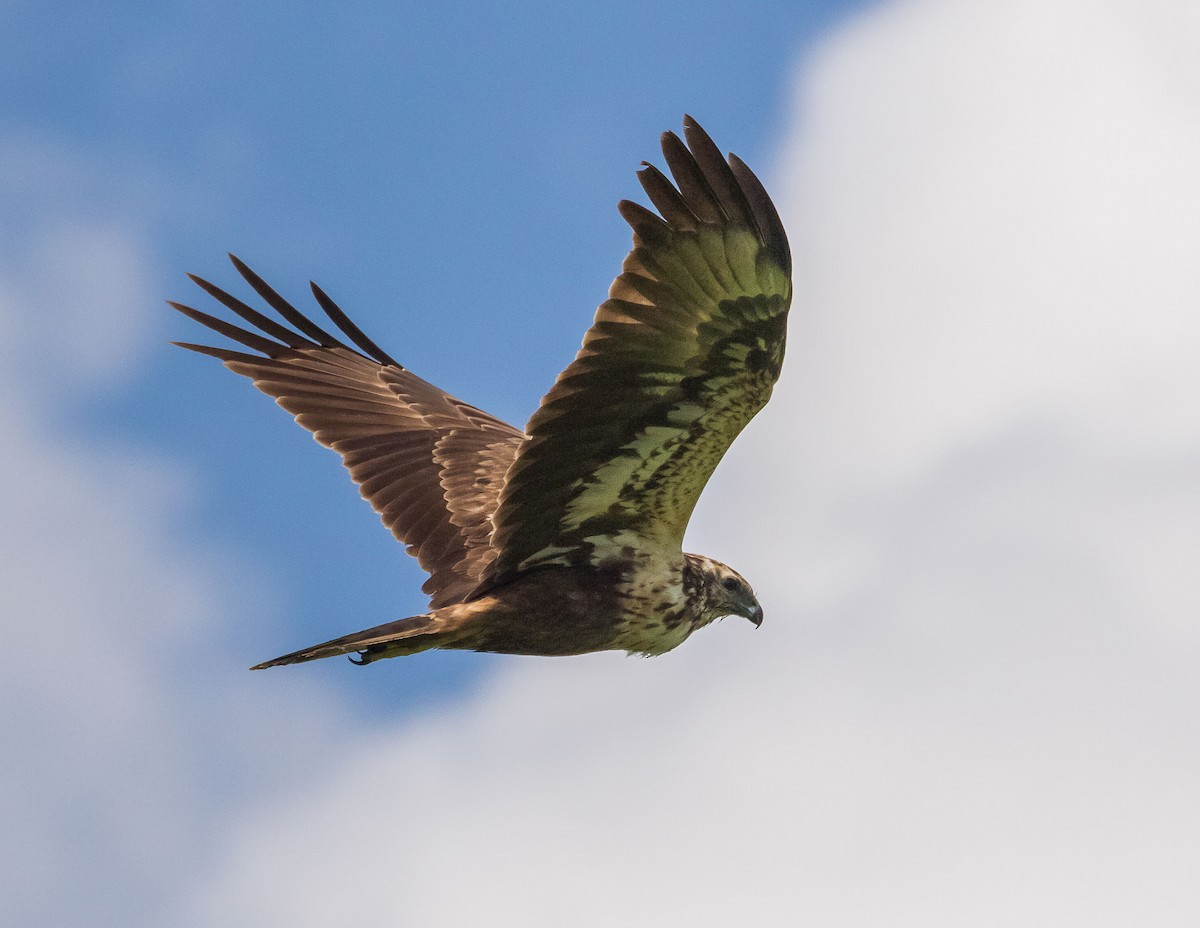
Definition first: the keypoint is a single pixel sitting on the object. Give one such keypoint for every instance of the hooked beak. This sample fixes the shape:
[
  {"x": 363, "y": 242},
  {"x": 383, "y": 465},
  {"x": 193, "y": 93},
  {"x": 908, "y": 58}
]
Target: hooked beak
[{"x": 755, "y": 614}]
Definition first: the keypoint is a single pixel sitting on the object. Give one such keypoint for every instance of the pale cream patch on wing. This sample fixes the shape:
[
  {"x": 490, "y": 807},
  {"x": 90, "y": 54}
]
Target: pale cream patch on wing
[{"x": 624, "y": 475}]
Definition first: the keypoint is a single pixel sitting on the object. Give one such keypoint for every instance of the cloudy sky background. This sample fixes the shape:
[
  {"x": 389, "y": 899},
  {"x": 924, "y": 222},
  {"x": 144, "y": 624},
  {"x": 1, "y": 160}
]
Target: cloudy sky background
[{"x": 972, "y": 511}]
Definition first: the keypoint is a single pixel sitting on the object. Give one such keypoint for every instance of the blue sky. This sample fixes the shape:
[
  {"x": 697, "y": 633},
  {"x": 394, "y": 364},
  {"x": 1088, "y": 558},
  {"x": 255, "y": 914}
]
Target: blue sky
[
  {"x": 971, "y": 509},
  {"x": 448, "y": 172}
]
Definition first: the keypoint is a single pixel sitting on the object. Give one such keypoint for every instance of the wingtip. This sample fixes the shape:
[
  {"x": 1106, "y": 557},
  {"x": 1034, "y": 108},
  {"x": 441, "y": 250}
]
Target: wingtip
[
  {"x": 697, "y": 137},
  {"x": 243, "y": 269}
]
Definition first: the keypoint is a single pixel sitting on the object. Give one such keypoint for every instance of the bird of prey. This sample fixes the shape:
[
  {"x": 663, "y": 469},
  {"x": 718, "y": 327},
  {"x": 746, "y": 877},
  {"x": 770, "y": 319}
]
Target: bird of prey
[{"x": 565, "y": 538}]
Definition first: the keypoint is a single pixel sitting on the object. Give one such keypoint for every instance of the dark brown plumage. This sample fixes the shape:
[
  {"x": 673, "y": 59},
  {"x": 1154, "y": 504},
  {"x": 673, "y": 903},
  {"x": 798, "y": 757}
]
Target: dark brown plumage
[{"x": 566, "y": 538}]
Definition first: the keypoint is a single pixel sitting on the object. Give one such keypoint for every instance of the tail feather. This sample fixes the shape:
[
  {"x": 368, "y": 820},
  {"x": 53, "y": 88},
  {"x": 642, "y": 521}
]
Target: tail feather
[{"x": 371, "y": 644}]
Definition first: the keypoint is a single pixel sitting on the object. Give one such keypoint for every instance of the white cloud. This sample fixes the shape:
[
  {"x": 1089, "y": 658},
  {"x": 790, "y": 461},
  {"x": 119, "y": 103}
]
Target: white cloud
[
  {"x": 123, "y": 712},
  {"x": 973, "y": 700},
  {"x": 1025, "y": 175}
]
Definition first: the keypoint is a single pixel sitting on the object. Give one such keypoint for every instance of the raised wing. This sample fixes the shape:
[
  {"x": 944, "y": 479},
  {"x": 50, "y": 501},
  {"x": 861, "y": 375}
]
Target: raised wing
[
  {"x": 680, "y": 357},
  {"x": 431, "y": 465}
]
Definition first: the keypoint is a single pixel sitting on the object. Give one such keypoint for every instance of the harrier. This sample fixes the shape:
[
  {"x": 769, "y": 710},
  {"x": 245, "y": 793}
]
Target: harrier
[{"x": 567, "y": 537}]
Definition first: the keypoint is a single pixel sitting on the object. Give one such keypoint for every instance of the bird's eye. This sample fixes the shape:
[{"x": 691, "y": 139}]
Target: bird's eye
[{"x": 732, "y": 584}]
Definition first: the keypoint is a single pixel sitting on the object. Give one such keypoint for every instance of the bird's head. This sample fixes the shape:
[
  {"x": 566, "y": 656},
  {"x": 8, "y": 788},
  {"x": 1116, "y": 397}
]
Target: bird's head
[{"x": 721, "y": 589}]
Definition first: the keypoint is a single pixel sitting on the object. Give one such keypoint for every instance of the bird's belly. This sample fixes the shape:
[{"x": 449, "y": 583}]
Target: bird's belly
[
  {"x": 651, "y": 636},
  {"x": 560, "y": 611}
]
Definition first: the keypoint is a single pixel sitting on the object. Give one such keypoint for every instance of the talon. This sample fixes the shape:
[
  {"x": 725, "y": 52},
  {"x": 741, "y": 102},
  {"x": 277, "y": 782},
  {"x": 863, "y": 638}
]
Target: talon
[{"x": 360, "y": 661}]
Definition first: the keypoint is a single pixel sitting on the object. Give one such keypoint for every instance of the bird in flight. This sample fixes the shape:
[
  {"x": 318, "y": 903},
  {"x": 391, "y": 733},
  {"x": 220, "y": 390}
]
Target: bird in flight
[{"x": 567, "y": 537}]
